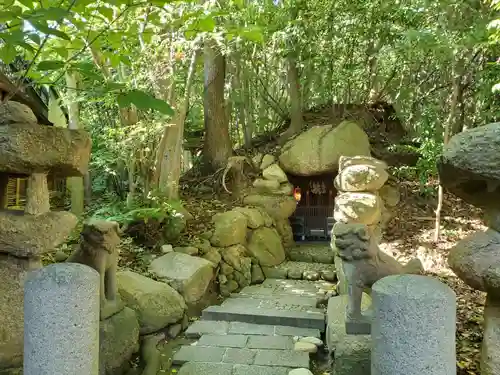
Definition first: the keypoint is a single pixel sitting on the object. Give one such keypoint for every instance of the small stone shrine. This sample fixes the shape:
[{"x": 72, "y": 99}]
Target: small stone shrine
[
  {"x": 470, "y": 168},
  {"x": 33, "y": 150}
]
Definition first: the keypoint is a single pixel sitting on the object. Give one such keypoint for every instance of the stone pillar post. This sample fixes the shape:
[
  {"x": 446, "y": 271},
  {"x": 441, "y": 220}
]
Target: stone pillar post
[
  {"x": 61, "y": 321},
  {"x": 37, "y": 195},
  {"x": 413, "y": 326}
]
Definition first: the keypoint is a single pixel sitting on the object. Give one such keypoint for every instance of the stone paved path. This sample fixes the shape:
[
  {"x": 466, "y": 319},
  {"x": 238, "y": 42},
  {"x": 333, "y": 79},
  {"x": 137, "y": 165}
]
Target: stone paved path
[{"x": 252, "y": 332}]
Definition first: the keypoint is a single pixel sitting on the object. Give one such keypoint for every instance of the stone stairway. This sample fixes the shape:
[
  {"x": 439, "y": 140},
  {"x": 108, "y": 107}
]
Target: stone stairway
[{"x": 256, "y": 330}]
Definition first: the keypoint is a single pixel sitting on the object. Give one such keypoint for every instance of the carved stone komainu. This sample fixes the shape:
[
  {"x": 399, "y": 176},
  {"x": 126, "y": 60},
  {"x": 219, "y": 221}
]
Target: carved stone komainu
[
  {"x": 98, "y": 249},
  {"x": 363, "y": 264}
]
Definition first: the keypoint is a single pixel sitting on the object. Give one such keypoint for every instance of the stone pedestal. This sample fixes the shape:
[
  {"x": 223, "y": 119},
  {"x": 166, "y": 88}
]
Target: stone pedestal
[
  {"x": 490, "y": 355},
  {"x": 61, "y": 321},
  {"x": 413, "y": 328}
]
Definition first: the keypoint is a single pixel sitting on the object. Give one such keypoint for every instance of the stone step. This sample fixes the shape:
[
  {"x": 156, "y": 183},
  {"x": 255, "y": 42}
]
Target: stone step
[
  {"x": 201, "y": 327},
  {"x": 285, "y": 299},
  {"x": 280, "y": 303},
  {"x": 241, "y": 356},
  {"x": 266, "y": 316},
  {"x": 301, "y": 271},
  {"x": 275, "y": 287},
  {"x": 312, "y": 253},
  {"x": 204, "y": 368}
]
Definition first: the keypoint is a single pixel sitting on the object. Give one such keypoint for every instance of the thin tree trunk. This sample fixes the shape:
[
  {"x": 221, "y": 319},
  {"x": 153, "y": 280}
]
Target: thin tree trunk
[
  {"x": 170, "y": 162},
  {"x": 75, "y": 184},
  {"x": 447, "y": 129},
  {"x": 217, "y": 146}
]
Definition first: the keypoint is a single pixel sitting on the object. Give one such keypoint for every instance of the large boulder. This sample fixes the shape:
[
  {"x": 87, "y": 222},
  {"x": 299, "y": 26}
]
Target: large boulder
[
  {"x": 118, "y": 341},
  {"x": 230, "y": 228},
  {"x": 476, "y": 260},
  {"x": 12, "y": 274},
  {"x": 29, "y": 148},
  {"x": 318, "y": 150},
  {"x": 285, "y": 231},
  {"x": 274, "y": 173},
  {"x": 265, "y": 246},
  {"x": 470, "y": 167},
  {"x": 278, "y": 207},
  {"x": 190, "y": 276},
  {"x": 253, "y": 215},
  {"x": 157, "y": 304}
]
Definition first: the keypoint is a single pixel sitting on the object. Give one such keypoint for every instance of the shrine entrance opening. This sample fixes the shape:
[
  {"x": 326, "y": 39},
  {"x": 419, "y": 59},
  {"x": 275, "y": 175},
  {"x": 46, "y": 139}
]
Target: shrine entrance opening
[{"x": 313, "y": 219}]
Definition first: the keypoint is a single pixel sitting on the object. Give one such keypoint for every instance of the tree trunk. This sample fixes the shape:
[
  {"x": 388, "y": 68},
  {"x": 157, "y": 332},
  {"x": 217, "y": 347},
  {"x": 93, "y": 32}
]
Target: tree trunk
[
  {"x": 296, "y": 120},
  {"x": 447, "y": 129},
  {"x": 217, "y": 146},
  {"x": 170, "y": 149},
  {"x": 75, "y": 184}
]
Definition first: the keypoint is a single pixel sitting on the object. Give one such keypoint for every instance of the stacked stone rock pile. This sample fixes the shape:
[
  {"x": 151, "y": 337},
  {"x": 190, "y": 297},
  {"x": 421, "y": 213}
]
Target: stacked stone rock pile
[
  {"x": 272, "y": 192},
  {"x": 27, "y": 148},
  {"x": 362, "y": 198},
  {"x": 470, "y": 169}
]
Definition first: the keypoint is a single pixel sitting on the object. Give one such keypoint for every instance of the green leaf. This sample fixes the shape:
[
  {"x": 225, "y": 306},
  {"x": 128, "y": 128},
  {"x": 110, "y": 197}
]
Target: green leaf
[
  {"x": 14, "y": 36},
  {"x": 44, "y": 28},
  {"x": 106, "y": 12},
  {"x": 35, "y": 38},
  {"x": 17, "y": 11},
  {"x": 205, "y": 24},
  {"x": 50, "y": 65},
  {"x": 63, "y": 52},
  {"x": 26, "y": 46},
  {"x": 7, "y": 16},
  {"x": 47, "y": 14},
  {"x": 123, "y": 100},
  {"x": 144, "y": 101},
  {"x": 253, "y": 34},
  {"x": 8, "y": 53},
  {"x": 27, "y": 3},
  {"x": 239, "y": 3}
]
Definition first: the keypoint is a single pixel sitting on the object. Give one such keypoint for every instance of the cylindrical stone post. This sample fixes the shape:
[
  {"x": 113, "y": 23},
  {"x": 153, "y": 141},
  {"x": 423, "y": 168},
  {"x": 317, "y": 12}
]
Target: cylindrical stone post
[
  {"x": 61, "y": 320},
  {"x": 413, "y": 327}
]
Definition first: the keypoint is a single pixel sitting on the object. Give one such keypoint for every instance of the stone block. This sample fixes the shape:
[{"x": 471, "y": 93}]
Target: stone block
[
  {"x": 249, "y": 328},
  {"x": 270, "y": 342},
  {"x": 266, "y": 316},
  {"x": 296, "y": 331},
  {"x": 259, "y": 370},
  {"x": 304, "y": 288},
  {"x": 282, "y": 358},
  {"x": 201, "y": 327},
  {"x": 118, "y": 341},
  {"x": 352, "y": 356},
  {"x": 413, "y": 327},
  {"x": 12, "y": 275},
  {"x": 206, "y": 368},
  {"x": 239, "y": 356},
  {"x": 61, "y": 313},
  {"x": 196, "y": 353},
  {"x": 335, "y": 319},
  {"x": 32, "y": 148},
  {"x": 31, "y": 236},
  {"x": 190, "y": 276},
  {"x": 306, "y": 304},
  {"x": 223, "y": 341}
]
